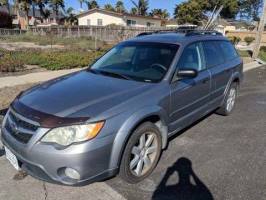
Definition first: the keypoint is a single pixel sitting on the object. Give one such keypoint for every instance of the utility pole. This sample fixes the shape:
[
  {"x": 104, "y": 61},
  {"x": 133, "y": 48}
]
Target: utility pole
[{"x": 260, "y": 31}]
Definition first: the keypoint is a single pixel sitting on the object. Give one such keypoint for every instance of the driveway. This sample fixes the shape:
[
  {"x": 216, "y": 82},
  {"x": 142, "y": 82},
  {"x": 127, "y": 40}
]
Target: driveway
[{"x": 216, "y": 158}]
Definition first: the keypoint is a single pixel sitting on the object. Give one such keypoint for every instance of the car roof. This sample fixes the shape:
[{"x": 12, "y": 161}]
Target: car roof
[{"x": 175, "y": 38}]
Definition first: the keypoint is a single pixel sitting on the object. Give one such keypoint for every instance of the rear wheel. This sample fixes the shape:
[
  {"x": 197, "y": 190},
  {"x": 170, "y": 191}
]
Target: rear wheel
[
  {"x": 229, "y": 103},
  {"x": 141, "y": 153}
]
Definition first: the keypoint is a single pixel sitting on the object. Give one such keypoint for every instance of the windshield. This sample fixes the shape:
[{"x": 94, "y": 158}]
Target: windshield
[{"x": 146, "y": 62}]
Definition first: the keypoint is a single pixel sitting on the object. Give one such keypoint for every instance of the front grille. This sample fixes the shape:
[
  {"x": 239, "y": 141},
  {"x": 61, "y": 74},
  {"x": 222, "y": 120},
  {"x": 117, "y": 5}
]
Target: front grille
[
  {"x": 19, "y": 122},
  {"x": 20, "y": 129}
]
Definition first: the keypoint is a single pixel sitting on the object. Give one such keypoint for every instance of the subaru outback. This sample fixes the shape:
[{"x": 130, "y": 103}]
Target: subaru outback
[{"x": 116, "y": 116}]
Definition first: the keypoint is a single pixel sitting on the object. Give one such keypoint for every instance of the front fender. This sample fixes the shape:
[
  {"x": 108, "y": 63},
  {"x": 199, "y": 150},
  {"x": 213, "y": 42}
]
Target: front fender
[{"x": 128, "y": 126}]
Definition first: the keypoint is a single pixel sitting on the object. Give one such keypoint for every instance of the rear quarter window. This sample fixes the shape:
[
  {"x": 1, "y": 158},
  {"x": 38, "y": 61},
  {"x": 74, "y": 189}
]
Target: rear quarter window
[{"x": 228, "y": 50}]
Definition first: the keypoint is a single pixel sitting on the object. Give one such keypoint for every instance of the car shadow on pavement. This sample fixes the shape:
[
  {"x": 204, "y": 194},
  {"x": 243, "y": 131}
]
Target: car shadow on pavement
[{"x": 189, "y": 186}]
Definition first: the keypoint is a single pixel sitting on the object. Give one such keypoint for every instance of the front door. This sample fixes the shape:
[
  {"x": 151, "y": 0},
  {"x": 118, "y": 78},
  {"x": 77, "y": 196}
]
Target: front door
[{"x": 190, "y": 96}]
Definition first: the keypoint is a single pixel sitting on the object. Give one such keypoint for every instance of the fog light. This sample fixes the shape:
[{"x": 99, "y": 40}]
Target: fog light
[{"x": 71, "y": 173}]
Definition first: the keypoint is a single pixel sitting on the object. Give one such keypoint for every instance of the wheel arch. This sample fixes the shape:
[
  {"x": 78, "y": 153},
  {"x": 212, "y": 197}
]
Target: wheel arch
[{"x": 155, "y": 115}]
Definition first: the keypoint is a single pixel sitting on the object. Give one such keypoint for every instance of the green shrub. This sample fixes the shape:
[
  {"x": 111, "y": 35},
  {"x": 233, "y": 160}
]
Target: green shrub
[
  {"x": 263, "y": 48},
  {"x": 249, "y": 40},
  {"x": 49, "y": 59},
  {"x": 234, "y": 39},
  {"x": 9, "y": 62}
]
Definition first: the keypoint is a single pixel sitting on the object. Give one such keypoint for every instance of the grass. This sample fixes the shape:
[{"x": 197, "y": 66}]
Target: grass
[
  {"x": 262, "y": 55},
  {"x": 49, "y": 59},
  {"x": 85, "y": 43}
]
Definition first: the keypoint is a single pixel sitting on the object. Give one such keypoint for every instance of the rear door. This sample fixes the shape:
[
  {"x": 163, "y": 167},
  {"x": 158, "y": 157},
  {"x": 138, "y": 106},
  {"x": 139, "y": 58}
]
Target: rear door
[
  {"x": 190, "y": 96},
  {"x": 218, "y": 55}
]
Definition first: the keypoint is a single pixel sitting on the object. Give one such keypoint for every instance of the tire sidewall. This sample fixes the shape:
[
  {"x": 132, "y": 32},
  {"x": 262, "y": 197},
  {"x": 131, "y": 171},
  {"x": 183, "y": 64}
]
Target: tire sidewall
[{"x": 125, "y": 172}]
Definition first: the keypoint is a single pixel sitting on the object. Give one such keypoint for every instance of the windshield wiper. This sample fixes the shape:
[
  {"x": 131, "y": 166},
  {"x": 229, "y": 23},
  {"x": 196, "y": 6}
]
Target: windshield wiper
[{"x": 113, "y": 74}]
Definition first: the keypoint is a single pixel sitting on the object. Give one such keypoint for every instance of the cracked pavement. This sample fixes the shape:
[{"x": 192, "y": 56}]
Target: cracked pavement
[{"x": 225, "y": 158}]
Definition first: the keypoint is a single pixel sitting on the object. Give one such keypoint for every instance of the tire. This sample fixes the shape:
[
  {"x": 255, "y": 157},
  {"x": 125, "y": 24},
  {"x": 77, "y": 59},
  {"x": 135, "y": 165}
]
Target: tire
[
  {"x": 134, "y": 154},
  {"x": 230, "y": 98}
]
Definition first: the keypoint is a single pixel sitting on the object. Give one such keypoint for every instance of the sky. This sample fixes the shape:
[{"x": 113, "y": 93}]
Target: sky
[{"x": 163, "y": 4}]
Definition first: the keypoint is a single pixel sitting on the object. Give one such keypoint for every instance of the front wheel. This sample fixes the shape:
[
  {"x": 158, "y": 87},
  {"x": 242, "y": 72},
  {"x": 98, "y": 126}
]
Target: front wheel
[
  {"x": 141, "y": 153},
  {"x": 230, "y": 100}
]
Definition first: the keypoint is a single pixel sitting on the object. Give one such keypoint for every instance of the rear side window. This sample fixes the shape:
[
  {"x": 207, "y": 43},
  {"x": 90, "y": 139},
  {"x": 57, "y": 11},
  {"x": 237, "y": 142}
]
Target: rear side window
[
  {"x": 213, "y": 56},
  {"x": 228, "y": 50}
]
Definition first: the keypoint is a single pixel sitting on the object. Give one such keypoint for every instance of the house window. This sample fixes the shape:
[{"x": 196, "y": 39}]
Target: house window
[
  {"x": 88, "y": 22},
  {"x": 149, "y": 24},
  {"x": 99, "y": 22},
  {"x": 131, "y": 22}
]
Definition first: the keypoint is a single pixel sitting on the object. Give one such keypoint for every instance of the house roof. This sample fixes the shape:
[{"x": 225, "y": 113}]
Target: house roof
[{"x": 115, "y": 14}]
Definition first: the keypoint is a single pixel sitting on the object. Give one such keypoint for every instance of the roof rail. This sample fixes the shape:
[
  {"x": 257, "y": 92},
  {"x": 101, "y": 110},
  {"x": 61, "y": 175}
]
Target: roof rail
[
  {"x": 187, "y": 32},
  {"x": 203, "y": 32}
]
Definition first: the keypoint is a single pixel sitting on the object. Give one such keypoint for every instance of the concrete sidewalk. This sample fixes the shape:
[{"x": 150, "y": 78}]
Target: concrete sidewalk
[{"x": 10, "y": 81}]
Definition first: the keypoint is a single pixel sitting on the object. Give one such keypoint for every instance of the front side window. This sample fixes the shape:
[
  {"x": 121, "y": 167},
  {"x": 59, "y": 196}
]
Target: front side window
[
  {"x": 146, "y": 62},
  {"x": 191, "y": 58},
  {"x": 88, "y": 22}
]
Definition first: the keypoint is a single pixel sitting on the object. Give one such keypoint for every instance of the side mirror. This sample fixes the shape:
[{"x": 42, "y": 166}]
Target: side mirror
[{"x": 187, "y": 73}]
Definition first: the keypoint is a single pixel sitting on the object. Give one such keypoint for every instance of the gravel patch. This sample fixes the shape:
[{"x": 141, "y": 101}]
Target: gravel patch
[{"x": 7, "y": 94}]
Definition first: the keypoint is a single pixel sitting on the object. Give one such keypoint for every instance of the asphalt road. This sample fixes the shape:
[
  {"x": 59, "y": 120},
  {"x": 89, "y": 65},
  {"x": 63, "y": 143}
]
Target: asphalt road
[{"x": 216, "y": 158}]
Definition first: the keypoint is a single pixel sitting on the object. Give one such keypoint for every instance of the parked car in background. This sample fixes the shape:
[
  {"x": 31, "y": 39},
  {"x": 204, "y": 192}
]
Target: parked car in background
[{"x": 116, "y": 116}]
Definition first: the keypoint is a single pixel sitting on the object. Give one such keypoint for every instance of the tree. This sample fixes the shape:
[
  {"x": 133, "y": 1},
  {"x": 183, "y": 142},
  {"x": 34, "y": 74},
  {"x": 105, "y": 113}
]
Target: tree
[
  {"x": 5, "y": 3},
  {"x": 249, "y": 9},
  {"x": 230, "y": 7},
  {"x": 92, "y": 4},
  {"x": 46, "y": 14},
  {"x": 109, "y": 7},
  {"x": 42, "y": 4},
  {"x": 134, "y": 11},
  {"x": 56, "y": 6},
  {"x": 119, "y": 7},
  {"x": 163, "y": 14},
  {"x": 80, "y": 3},
  {"x": 71, "y": 18},
  {"x": 142, "y": 6},
  {"x": 189, "y": 12}
]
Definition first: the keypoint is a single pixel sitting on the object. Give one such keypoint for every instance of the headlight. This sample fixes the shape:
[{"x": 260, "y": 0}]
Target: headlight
[{"x": 70, "y": 134}]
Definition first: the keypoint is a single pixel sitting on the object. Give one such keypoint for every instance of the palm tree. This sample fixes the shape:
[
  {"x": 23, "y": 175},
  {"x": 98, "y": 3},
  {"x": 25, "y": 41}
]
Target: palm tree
[
  {"x": 109, "y": 7},
  {"x": 81, "y": 3},
  {"x": 119, "y": 7},
  {"x": 5, "y": 3},
  {"x": 57, "y": 5},
  {"x": 92, "y": 4},
  {"x": 134, "y": 11},
  {"x": 163, "y": 14},
  {"x": 71, "y": 17},
  {"x": 142, "y": 6},
  {"x": 46, "y": 14},
  {"x": 41, "y": 4}
]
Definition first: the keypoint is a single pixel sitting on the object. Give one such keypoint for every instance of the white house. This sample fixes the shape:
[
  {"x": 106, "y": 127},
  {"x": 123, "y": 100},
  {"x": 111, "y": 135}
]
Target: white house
[{"x": 101, "y": 17}]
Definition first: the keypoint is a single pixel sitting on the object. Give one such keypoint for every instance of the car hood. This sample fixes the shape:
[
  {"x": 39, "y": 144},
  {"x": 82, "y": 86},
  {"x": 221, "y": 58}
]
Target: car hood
[{"x": 67, "y": 96}]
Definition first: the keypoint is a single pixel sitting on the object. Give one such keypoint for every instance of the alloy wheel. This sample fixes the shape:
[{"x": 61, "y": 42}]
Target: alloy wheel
[{"x": 143, "y": 154}]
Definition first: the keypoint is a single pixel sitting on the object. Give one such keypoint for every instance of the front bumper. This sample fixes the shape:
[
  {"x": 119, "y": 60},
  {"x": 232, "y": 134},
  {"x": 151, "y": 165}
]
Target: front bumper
[{"x": 91, "y": 159}]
